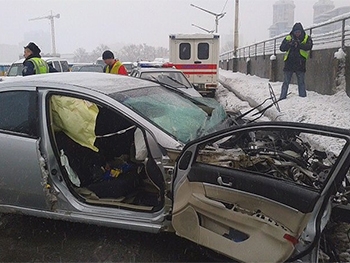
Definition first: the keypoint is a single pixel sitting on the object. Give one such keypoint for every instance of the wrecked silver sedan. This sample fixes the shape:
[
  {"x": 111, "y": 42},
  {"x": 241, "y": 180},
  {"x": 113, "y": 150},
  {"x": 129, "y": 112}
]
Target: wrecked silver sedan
[{"x": 125, "y": 152}]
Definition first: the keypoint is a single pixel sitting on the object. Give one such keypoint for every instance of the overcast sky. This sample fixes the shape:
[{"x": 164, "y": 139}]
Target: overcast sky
[{"x": 89, "y": 23}]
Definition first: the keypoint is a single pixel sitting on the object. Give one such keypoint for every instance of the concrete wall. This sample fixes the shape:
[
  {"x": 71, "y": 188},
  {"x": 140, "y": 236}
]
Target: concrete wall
[
  {"x": 347, "y": 71},
  {"x": 322, "y": 69}
]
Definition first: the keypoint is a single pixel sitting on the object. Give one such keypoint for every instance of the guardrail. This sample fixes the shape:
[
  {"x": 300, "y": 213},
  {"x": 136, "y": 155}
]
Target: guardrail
[{"x": 331, "y": 34}]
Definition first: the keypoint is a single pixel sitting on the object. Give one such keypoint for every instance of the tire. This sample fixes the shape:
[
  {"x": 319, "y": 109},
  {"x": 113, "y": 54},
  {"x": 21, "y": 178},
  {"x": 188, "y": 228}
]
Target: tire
[{"x": 212, "y": 94}]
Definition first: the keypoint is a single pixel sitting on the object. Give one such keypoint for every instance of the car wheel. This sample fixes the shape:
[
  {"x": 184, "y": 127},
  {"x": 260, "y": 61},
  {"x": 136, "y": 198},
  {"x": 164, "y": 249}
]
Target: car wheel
[{"x": 212, "y": 94}]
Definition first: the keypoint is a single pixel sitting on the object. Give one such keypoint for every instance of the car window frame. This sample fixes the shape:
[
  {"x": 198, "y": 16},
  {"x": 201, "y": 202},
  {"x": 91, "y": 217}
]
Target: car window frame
[{"x": 32, "y": 114}]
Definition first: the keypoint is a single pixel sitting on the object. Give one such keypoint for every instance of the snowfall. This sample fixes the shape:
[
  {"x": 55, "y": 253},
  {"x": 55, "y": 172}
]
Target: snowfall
[
  {"x": 329, "y": 110},
  {"x": 242, "y": 92},
  {"x": 246, "y": 91}
]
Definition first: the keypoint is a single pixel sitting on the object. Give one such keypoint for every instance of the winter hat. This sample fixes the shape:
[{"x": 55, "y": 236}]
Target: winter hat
[
  {"x": 107, "y": 54},
  {"x": 34, "y": 48}
]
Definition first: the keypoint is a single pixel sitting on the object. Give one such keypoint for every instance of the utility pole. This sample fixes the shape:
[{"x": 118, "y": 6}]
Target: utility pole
[
  {"x": 235, "y": 40},
  {"x": 51, "y": 18},
  {"x": 217, "y": 16},
  {"x": 206, "y": 30}
]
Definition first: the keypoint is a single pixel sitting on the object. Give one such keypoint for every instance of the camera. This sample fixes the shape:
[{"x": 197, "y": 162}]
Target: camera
[{"x": 294, "y": 43}]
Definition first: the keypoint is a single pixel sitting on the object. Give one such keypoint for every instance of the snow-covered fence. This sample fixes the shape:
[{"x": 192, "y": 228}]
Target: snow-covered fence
[
  {"x": 335, "y": 33},
  {"x": 264, "y": 59}
]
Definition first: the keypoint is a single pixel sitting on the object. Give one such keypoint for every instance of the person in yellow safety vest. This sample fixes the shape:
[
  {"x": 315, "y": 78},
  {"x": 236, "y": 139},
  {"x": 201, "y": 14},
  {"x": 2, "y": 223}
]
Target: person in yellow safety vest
[
  {"x": 113, "y": 65},
  {"x": 297, "y": 46},
  {"x": 33, "y": 63}
]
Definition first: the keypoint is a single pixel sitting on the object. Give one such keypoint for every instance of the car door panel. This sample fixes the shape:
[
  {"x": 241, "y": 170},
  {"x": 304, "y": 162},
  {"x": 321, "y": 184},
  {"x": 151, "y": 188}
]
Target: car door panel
[
  {"x": 23, "y": 184},
  {"x": 283, "y": 192},
  {"x": 252, "y": 203},
  {"x": 252, "y": 215},
  {"x": 233, "y": 233}
]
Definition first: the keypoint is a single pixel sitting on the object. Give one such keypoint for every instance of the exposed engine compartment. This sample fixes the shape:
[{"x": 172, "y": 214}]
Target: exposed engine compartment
[{"x": 281, "y": 154}]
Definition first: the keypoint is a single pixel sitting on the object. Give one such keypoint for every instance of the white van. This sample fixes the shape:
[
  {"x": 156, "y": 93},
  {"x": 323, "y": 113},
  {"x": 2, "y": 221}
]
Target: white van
[
  {"x": 61, "y": 65},
  {"x": 197, "y": 55}
]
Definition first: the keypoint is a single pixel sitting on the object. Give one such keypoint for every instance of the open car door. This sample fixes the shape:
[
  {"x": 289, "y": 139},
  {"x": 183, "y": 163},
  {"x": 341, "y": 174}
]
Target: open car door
[{"x": 258, "y": 193}]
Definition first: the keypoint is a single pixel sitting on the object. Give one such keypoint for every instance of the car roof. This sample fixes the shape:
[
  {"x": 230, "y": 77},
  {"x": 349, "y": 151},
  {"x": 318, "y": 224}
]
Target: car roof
[
  {"x": 158, "y": 69},
  {"x": 104, "y": 83},
  {"x": 44, "y": 58},
  {"x": 82, "y": 63},
  {"x": 87, "y": 68},
  {"x": 86, "y": 65}
]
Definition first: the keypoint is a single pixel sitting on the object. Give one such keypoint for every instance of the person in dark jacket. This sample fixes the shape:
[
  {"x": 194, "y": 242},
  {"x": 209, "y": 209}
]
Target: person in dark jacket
[
  {"x": 297, "y": 46},
  {"x": 33, "y": 63}
]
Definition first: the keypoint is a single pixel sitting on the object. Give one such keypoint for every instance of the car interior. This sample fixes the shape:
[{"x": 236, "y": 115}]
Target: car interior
[{"x": 117, "y": 170}]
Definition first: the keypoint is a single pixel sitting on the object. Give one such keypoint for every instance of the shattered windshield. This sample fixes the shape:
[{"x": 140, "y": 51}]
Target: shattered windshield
[
  {"x": 175, "y": 79},
  {"x": 184, "y": 119}
]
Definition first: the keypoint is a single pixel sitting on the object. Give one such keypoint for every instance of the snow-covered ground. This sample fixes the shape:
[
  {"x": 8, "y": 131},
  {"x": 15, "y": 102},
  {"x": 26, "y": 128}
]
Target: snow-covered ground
[{"x": 329, "y": 110}]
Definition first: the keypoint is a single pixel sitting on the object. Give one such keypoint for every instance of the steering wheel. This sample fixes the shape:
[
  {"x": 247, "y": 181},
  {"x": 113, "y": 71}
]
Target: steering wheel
[{"x": 273, "y": 98}]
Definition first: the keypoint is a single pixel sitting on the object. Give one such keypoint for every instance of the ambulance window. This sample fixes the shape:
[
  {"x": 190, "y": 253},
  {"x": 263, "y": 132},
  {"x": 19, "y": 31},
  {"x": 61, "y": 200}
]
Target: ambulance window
[
  {"x": 185, "y": 51},
  {"x": 203, "y": 51}
]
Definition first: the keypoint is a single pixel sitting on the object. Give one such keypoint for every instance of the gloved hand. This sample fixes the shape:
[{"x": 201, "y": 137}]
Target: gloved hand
[{"x": 294, "y": 43}]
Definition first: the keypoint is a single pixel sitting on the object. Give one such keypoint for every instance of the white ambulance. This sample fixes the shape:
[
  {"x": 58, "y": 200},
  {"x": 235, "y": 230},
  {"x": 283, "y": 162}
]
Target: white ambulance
[{"x": 197, "y": 55}]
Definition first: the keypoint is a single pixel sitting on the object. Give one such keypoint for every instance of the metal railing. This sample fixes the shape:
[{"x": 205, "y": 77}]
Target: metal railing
[{"x": 330, "y": 34}]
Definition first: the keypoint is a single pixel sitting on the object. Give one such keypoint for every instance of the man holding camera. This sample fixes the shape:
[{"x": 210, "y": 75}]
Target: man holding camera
[{"x": 297, "y": 46}]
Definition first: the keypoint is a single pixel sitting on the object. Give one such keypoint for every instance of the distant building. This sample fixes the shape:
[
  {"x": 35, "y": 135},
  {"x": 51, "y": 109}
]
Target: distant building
[
  {"x": 321, "y": 7},
  {"x": 323, "y": 11},
  {"x": 283, "y": 17}
]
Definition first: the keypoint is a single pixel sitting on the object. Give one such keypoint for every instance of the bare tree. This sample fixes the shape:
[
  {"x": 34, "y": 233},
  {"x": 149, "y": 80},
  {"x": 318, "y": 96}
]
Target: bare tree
[
  {"x": 141, "y": 52},
  {"x": 97, "y": 52},
  {"x": 80, "y": 55},
  {"x": 130, "y": 53},
  {"x": 162, "y": 52}
]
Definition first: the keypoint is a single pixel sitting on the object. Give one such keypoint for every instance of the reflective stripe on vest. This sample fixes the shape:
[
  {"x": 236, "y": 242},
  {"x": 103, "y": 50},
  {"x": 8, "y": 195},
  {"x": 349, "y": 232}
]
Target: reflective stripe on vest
[
  {"x": 115, "y": 68},
  {"x": 40, "y": 65},
  {"x": 304, "y": 53}
]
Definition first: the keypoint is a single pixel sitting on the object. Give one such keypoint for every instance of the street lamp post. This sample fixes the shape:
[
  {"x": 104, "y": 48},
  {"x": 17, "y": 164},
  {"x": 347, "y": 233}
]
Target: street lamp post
[
  {"x": 217, "y": 16},
  {"x": 206, "y": 30},
  {"x": 235, "y": 40}
]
